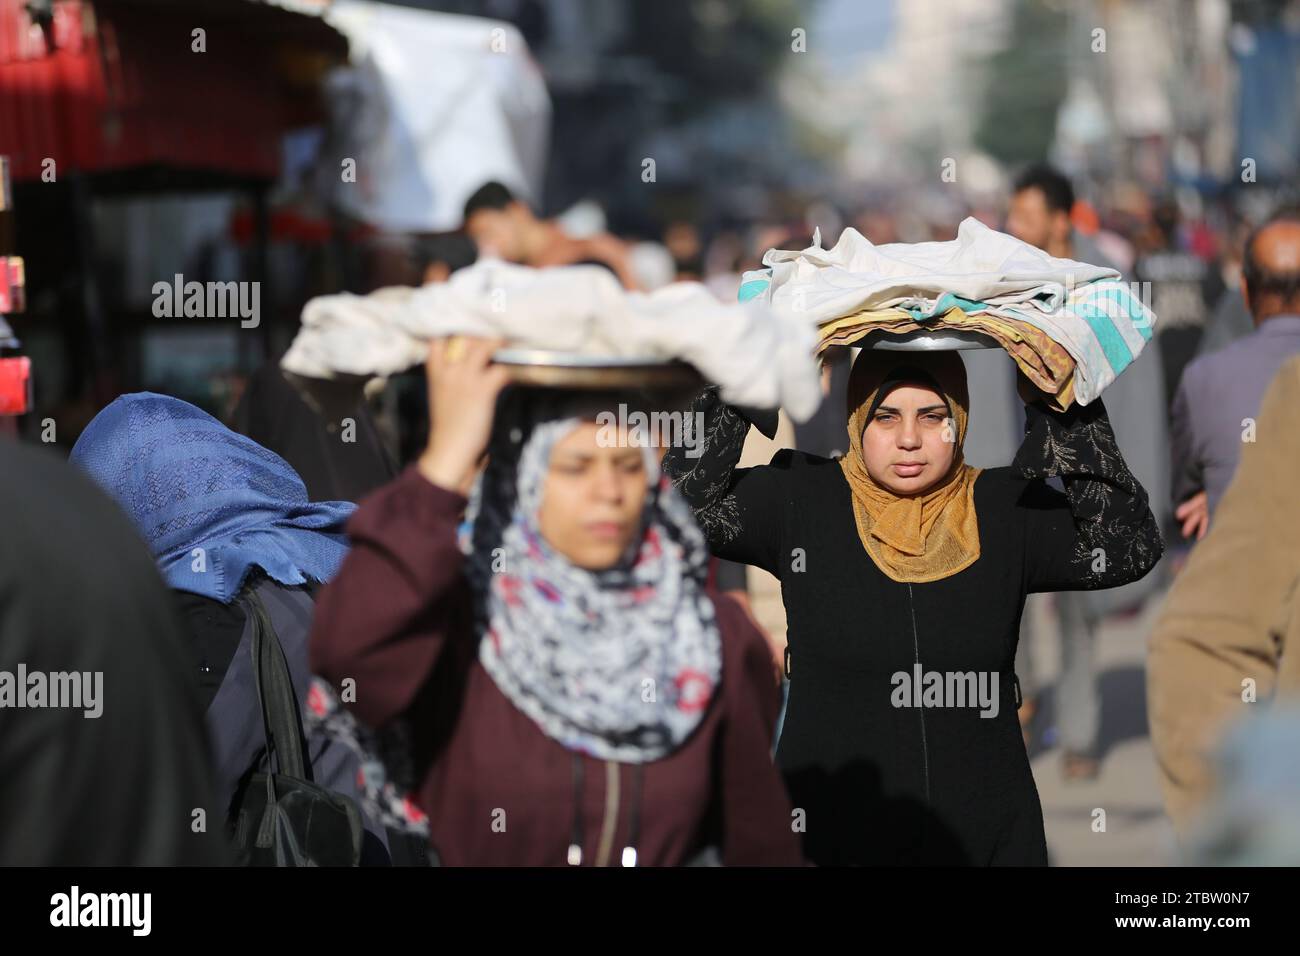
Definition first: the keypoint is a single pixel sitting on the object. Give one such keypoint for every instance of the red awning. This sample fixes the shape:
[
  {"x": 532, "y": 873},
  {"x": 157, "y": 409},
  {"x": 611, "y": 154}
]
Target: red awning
[{"x": 124, "y": 86}]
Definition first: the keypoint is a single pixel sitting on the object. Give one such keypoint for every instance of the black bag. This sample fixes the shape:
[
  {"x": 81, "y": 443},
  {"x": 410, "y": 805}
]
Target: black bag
[{"x": 282, "y": 818}]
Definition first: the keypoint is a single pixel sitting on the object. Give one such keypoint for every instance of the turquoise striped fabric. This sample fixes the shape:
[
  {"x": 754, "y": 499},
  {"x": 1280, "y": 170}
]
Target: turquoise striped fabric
[
  {"x": 946, "y": 302},
  {"x": 1114, "y": 326},
  {"x": 752, "y": 289},
  {"x": 1117, "y": 318},
  {"x": 1103, "y": 326}
]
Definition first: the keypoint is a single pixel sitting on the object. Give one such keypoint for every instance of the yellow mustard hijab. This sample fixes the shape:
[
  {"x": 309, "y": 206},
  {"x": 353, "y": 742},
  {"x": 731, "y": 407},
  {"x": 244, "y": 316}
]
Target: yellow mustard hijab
[{"x": 929, "y": 536}]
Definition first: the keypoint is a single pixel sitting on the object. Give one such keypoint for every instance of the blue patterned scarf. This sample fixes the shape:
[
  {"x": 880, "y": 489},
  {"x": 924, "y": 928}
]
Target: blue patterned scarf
[{"x": 211, "y": 504}]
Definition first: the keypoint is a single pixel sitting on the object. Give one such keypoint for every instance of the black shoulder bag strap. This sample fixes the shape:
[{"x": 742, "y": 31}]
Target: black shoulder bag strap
[{"x": 279, "y": 705}]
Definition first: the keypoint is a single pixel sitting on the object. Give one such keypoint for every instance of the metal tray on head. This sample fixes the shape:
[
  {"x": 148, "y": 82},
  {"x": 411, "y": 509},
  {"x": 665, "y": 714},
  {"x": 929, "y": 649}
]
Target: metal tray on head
[
  {"x": 922, "y": 340},
  {"x": 548, "y": 369}
]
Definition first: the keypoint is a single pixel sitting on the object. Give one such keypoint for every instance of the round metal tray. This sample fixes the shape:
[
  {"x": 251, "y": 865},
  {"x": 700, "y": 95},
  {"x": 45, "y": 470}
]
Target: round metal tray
[
  {"x": 940, "y": 340},
  {"x": 571, "y": 370}
]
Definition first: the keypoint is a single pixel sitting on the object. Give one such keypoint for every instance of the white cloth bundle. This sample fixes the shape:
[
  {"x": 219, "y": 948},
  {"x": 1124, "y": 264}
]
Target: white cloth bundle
[
  {"x": 981, "y": 264},
  {"x": 757, "y": 358},
  {"x": 1102, "y": 323}
]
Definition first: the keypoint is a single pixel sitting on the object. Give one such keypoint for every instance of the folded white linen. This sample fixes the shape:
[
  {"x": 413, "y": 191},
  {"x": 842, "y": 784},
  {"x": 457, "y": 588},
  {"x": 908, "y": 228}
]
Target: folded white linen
[{"x": 981, "y": 264}]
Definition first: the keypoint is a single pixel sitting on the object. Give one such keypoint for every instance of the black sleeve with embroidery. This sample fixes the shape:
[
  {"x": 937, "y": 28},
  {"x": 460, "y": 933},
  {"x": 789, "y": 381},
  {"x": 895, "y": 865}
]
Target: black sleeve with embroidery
[
  {"x": 736, "y": 508},
  {"x": 1101, "y": 532}
]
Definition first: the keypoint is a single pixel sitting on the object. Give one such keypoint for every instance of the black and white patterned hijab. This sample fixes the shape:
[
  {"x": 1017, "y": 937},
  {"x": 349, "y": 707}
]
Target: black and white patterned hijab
[{"x": 620, "y": 664}]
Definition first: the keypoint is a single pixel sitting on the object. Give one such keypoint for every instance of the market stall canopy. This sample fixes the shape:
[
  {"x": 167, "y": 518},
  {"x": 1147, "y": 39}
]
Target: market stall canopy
[
  {"x": 120, "y": 85},
  {"x": 434, "y": 106}
]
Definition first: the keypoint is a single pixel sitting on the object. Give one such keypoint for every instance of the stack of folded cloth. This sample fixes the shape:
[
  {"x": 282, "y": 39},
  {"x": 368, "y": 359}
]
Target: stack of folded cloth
[{"x": 1071, "y": 327}]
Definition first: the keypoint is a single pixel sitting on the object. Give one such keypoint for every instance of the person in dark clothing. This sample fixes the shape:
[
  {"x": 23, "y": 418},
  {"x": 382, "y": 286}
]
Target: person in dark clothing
[
  {"x": 1220, "y": 394},
  {"x": 572, "y": 693},
  {"x": 115, "y": 780},
  {"x": 323, "y": 429},
  {"x": 438, "y": 255},
  {"x": 1184, "y": 288},
  {"x": 226, "y": 518},
  {"x": 904, "y": 573}
]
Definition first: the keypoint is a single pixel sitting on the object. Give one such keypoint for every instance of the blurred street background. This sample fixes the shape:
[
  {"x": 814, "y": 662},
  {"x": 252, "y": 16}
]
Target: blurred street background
[
  {"x": 1127, "y": 787},
  {"x": 1177, "y": 121},
  {"x": 317, "y": 146}
]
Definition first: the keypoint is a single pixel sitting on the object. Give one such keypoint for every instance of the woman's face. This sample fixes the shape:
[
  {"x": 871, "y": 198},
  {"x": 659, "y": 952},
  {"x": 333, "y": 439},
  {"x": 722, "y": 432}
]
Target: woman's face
[
  {"x": 908, "y": 445},
  {"x": 593, "y": 499}
]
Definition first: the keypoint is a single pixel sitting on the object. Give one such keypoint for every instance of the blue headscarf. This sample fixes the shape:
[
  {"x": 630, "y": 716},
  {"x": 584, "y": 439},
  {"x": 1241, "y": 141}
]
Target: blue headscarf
[{"x": 189, "y": 483}]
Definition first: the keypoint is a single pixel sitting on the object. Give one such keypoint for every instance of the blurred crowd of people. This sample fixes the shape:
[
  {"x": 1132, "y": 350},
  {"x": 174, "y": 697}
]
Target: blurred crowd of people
[{"x": 1203, "y": 418}]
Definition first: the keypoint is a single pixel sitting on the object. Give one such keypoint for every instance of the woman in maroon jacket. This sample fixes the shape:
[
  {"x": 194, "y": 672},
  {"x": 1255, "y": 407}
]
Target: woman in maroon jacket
[{"x": 568, "y": 690}]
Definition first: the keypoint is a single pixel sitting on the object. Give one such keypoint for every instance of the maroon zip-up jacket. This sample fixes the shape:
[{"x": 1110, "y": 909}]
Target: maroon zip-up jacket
[{"x": 396, "y": 619}]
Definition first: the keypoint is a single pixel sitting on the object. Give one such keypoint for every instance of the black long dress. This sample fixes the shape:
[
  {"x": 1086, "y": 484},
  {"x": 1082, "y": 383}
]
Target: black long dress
[{"x": 881, "y": 780}]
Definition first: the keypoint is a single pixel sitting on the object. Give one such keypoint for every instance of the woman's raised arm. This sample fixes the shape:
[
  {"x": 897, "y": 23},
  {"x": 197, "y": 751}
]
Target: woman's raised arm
[
  {"x": 1101, "y": 532},
  {"x": 738, "y": 509},
  {"x": 385, "y": 619}
]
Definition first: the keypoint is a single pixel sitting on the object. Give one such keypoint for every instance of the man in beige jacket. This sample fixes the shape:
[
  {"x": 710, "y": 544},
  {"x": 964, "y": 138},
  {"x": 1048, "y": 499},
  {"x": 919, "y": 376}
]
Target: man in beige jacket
[{"x": 1228, "y": 638}]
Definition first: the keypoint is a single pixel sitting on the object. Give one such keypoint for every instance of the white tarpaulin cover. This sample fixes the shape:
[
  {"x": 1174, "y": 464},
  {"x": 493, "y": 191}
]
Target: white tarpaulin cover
[{"x": 433, "y": 106}]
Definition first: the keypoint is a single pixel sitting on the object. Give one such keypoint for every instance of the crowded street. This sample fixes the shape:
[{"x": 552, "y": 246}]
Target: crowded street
[{"x": 795, "y": 437}]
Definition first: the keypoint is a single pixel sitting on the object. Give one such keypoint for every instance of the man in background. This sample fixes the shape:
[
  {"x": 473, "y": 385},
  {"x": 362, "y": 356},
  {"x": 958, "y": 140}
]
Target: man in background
[
  {"x": 1040, "y": 214},
  {"x": 504, "y": 226},
  {"x": 1219, "y": 395}
]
